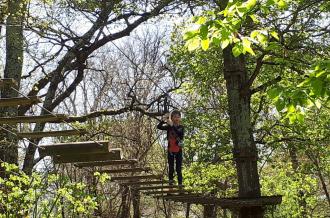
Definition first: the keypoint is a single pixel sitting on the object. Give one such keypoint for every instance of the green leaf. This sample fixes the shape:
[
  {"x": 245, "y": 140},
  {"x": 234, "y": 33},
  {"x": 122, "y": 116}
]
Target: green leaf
[
  {"x": 262, "y": 38},
  {"x": 225, "y": 43},
  {"x": 254, "y": 34},
  {"x": 254, "y": 18},
  {"x": 279, "y": 105},
  {"x": 216, "y": 41},
  {"x": 203, "y": 31},
  {"x": 291, "y": 108},
  {"x": 275, "y": 35},
  {"x": 190, "y": 34},
  {"x": 317, "y": 86},
  {"x": 201, "y": 20},
  {"x": 250, "y": 4},
  {"x": 318, "y": 104},
  {"x": 237, "y": 50},
  {"x": 205, "y": 44},
  {"x": 274, "y": 93},
  {"x": 300, "y": 117},
  {"x": 282, "y": 4},
  {"x": 247, "y": 46},
  {"x": 193, "y": 44}
]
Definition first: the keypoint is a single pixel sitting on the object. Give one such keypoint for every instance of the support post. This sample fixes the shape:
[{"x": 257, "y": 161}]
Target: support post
[{"x": 209, "y": 211}]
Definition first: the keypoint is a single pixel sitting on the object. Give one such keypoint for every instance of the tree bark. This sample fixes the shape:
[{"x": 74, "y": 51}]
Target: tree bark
[
  {"x": 245, "y": 150},
  {"x": 13, "y": 69}
]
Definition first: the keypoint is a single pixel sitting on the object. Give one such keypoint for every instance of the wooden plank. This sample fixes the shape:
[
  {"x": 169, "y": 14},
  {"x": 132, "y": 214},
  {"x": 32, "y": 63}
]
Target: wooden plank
[
  {"x": 114, "y": 154},
  {"x": 157, "y": 187},
  {"x": 106, "y": 163},
  {"x": 38, "y": 135},
  {"x": 126, "y": 170},
  {"x": 174, "y": 196},
  {"x": 7, "y": 83},
  {"x": 226, "y": 203},
  {"x": 152, "y": 182},
  {"x": 74, "y": 148},
  {"x": 49, "y": 118},
  {"x": 166, "y": 191},
  {"x": 19, "y": 101},
  {"x": 249, "y": 202},
  {"x": 116, "y": 178}
]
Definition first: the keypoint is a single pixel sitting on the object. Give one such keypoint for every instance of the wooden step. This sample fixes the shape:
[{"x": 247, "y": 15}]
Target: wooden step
[
  {"x": 126, "y": 170},
  {"x": 166, "y": 191},
  {"x": 7, "y": 83},
  {"x": 107, "y": 163},
  {"x": 157, "y": 187},
  {"x": 151, "y": 182},
  {"x": 116, "y": 178},
  {"x": 19, "y": 101},
  {"x": 49, "y": 118},
  {"x": 39, "y": 135},
  {"x": 113, "y": 154},
  {"x": 74, "y": 148}
]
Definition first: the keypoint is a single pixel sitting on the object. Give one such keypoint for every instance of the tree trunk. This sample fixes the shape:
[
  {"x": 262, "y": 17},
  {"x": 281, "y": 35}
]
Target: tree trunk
[
  {"x": 13, "y": 69},
  {"x": 245, "y": 150}
]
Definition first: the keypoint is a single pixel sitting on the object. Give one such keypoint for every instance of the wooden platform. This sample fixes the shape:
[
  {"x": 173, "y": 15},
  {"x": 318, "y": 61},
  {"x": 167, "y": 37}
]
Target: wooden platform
[
  {"x": 227, "y": 203},
  {"x": 106, "y": 163},
  {"x": 19, "y": 101},
  {"x": 49, "y": 118},
  {"x": 74, "y": 148},
  {"x": 39, "y": 135},
  {"x": 113, "y": 154}
]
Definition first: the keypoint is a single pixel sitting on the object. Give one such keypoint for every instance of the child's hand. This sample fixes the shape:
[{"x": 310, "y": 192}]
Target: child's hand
[{"x": 169, "y": 122}]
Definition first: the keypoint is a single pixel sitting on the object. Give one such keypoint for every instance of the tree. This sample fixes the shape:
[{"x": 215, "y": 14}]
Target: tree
[
  {"x": 235, "y": 27},
  {"x": 72, "y": 48}
]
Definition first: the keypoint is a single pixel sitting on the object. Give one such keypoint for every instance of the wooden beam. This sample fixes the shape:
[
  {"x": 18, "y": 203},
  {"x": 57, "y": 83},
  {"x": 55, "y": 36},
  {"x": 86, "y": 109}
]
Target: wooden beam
[
  {"x": 126, "y": 170},
  {"x": 157, "y": 187},
  {"x": 166, "y": 191},
  {"x": 178, "y": 196},
  {"x": 107, "y": 163},
  {"x": 152, "y": 182},
  {"x": 7, "y": 83},
  {"x": 249, "y": 202},
  {"x": 74, "y": 148},
  {"x": 116, "y": 178},
  {"x": 13, "y": 102},
  {"x": 114, "y": 154},
  {"x": 38, "y": 135},
  {"x": 49, "y": 118},
  {"x": 226, "y": 203}
]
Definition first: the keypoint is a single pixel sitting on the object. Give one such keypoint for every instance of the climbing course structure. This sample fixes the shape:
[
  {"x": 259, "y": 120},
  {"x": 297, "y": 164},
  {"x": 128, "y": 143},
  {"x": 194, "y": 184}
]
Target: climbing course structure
[{"x": 100, "y": 156}]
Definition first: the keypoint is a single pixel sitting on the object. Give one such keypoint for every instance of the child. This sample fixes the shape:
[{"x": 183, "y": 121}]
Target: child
[{"x": 175, "y": 133}]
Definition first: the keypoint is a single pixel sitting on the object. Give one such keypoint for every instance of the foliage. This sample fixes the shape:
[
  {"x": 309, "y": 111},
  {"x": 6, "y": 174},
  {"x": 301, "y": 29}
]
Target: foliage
[
  {"x": 42, "y": 196},
  {"x": 224, "y": 28},
  {"x": 295, "y": 97},
  {"x": 299, "y": 190}
]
